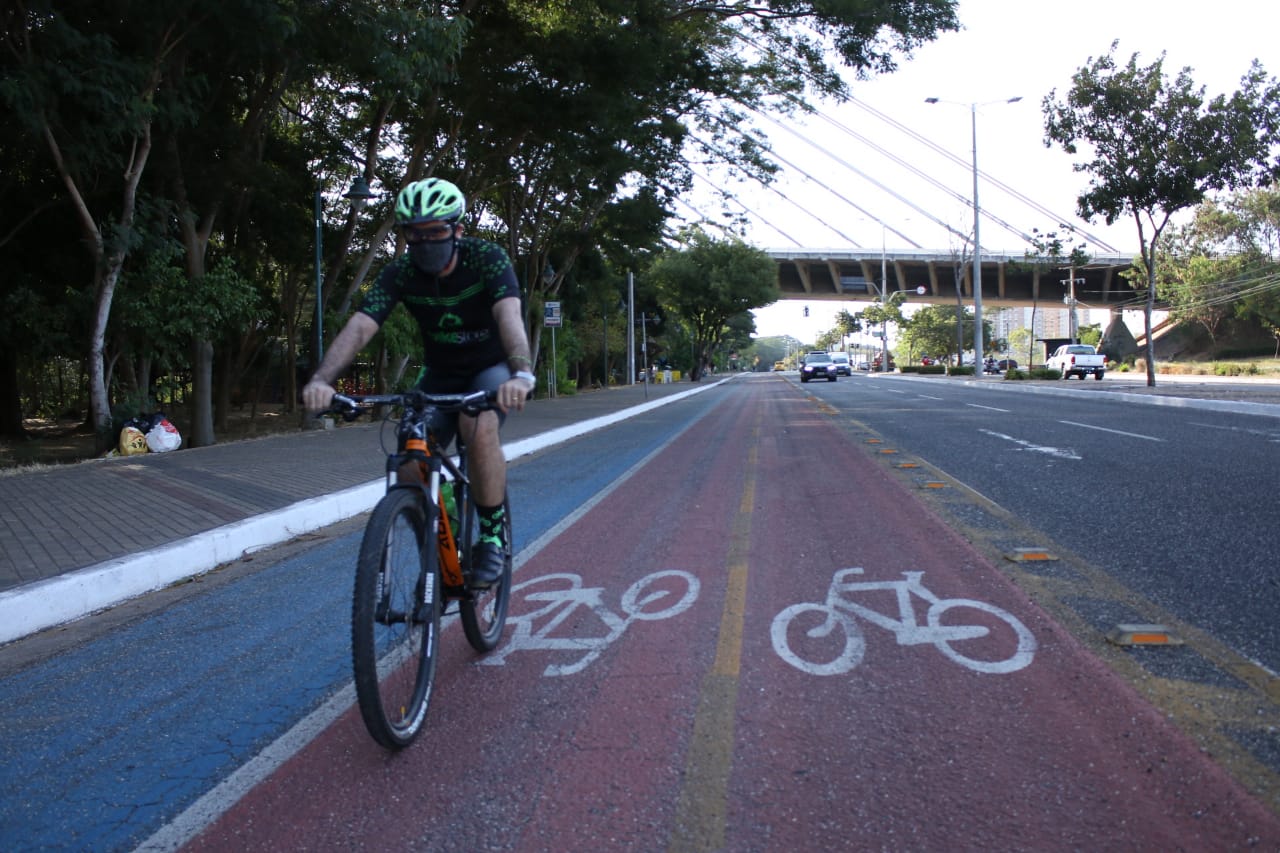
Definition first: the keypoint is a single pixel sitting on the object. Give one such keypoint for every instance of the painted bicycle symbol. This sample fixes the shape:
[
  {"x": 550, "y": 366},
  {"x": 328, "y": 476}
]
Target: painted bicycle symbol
[
  {"x": 963, "y": 643},
  {"x": 564, "y": 594}
]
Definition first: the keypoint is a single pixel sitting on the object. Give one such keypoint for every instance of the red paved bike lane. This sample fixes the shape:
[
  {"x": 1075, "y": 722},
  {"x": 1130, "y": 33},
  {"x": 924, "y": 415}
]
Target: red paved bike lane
[{"x": 686, "y": 729}]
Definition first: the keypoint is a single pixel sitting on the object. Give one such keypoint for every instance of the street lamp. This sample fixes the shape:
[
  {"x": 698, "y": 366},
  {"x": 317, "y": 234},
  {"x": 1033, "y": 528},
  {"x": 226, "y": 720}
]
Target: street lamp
[
  {"x": 357, "y": 195},
  {"x": 977, "y": 243}
]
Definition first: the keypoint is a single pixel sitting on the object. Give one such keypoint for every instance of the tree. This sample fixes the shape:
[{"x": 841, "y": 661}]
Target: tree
[
  {"x": 1158, "y": 147},
  {"x": 882, "y": 314},
  {"x": 708, "y": 283},
  {"x": 1223, "y": 263},
  {"x": 84, "y": 81},
  {"x": 931, "y": 331}
]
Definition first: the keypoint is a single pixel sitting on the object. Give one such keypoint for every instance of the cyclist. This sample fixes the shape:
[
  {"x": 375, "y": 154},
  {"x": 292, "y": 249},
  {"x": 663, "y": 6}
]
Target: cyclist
[{"x": 462, "y": 291}]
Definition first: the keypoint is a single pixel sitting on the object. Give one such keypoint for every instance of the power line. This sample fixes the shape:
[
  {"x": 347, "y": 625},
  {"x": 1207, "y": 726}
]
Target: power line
[{"x": 996, "y": 182}]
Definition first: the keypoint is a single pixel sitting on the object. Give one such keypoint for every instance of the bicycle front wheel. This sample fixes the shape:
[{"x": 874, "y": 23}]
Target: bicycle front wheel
[
  {"x": 484, "y": 611},
  {"x": 395, "y": 618}
]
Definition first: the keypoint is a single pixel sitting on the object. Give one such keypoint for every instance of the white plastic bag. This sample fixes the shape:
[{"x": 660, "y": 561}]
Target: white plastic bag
[{"x": 163, "y": 437}]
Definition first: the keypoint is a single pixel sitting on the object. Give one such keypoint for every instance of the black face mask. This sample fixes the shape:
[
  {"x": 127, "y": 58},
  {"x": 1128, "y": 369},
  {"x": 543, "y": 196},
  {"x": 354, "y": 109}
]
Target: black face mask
[{"x": 432, "y": 256}]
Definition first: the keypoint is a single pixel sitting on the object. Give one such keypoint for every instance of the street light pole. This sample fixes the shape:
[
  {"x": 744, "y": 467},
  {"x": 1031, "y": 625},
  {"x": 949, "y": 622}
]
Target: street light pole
[
  {"x": 977, "y": 241},
  {"x": 884, "y": 303},
  {"x": 357, "y": 195},
  {"x": 979, "y": 365},
  {"x": 319, "y": 348}
]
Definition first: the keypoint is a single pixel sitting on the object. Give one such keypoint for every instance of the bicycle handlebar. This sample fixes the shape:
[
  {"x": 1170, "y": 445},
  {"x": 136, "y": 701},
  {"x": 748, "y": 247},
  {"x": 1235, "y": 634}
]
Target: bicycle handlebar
[{"x": 472, "y": 403}]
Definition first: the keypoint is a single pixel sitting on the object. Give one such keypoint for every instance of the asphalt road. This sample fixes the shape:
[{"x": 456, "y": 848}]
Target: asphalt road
[
  {"x": 739, "y": 626},
  {"x": 1177, "y": 504}
]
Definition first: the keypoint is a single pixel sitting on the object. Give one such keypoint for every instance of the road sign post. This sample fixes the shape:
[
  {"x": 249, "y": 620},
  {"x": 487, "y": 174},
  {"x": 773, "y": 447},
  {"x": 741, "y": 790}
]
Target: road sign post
[{"x": 551, "y": 318}]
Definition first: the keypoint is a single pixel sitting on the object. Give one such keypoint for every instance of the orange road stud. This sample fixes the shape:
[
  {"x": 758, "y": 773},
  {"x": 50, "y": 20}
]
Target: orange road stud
[
  {"x": 1143, "y": 635},
  {"x": 887, "y": 450},
  {"x": 1030, "y": 555},
  {"x": 875, "y": 441},
  {"x": 908, "y": 464},
  {"x": 933, "y": 484}
]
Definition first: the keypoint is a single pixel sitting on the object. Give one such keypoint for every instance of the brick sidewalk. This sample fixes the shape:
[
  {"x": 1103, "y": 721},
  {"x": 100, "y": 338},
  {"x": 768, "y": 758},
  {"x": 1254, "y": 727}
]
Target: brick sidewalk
[{"x": 58, "y": 520}]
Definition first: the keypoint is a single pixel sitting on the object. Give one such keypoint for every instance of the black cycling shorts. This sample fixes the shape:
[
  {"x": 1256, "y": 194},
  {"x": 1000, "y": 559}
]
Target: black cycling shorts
[{"x": 439, "y": 382}]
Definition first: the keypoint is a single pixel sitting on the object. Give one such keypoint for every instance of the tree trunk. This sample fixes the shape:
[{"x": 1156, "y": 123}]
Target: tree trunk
[
  {"x": 202, "y": 434},
  {"x": 1148, "y": 308},
  {"x": 10, "y": 397}
]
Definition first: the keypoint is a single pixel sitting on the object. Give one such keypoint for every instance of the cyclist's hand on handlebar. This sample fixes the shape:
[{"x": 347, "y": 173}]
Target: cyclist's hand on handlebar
[
  {"x": 513, "y": 393},
  {"x": 316, "y": 396}
]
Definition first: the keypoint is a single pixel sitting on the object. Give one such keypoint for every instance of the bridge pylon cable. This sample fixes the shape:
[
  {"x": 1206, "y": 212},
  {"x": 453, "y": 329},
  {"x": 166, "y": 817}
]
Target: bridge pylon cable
[{"x": 1030, "y": 202}]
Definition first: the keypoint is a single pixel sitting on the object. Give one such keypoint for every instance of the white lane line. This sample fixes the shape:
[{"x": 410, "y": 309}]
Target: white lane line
[
  {"x": 1269, "y": 434},
  {"x": 1060, "y": 452},
  {"x": 927, "y": 397},
  {"x": 1115, "y": 431},
  {"x": 988, "y": 408}
]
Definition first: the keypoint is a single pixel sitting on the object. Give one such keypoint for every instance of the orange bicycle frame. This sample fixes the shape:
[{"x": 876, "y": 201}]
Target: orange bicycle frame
[{"x": 446, "y": 541}]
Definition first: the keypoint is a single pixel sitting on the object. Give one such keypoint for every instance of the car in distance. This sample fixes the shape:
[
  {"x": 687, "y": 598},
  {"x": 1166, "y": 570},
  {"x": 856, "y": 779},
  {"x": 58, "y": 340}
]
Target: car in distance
[
  {"x": 1078, "y": 359},
  {"x": 817, "y": 365},
  {"x": 1004, "y": 365},
  {"x": 875, "y": 364},
  {"x": 841, "y": 361},
  {"x": 777, "y": 365}
]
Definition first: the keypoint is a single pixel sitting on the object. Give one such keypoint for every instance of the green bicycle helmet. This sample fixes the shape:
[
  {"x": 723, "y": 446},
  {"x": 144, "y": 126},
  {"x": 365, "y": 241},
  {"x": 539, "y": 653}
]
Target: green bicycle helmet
[{"x": 429, "y": 200}]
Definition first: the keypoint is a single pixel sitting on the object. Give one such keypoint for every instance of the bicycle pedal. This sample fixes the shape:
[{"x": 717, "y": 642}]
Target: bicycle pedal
[{"x": 392, "y": 617}]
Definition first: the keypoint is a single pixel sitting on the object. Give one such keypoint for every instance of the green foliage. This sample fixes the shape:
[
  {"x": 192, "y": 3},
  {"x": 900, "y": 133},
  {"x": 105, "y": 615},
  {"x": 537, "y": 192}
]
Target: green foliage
[
  {"x": 708, "y": 283},
  {"x": 1045, "y": 373},
  {"x": 1091, "y": 335},
  {"x": 1226, "y": 262},
  {"x": 1228, "y": 369},
  {"x": 1156, "y": 146},
  {"x": 570, "y": 126}
]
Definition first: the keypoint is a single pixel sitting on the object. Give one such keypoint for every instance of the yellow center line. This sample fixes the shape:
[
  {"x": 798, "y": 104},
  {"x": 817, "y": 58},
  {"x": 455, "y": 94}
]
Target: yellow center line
[{"x": 702, "y": 809}]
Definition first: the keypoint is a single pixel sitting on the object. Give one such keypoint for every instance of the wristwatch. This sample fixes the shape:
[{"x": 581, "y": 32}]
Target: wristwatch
[{"x": 526, "y": 375}]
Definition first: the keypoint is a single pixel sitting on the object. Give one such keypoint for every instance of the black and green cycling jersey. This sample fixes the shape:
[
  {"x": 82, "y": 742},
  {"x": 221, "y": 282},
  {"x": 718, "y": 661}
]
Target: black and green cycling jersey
[{"x": 454, "y": 312}]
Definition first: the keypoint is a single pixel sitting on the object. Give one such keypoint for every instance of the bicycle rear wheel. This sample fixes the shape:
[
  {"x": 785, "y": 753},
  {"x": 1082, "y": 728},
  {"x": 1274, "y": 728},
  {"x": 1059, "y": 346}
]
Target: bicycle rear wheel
[
  {"x": 484, "y": 611},
  {"x": 395, "y": 618}
]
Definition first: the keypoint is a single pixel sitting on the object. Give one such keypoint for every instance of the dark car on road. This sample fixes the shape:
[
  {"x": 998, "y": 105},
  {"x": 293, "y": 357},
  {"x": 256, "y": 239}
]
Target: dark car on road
[
  {"x": 1004, "y": 365},
  {"x": 817, "y": 365}
]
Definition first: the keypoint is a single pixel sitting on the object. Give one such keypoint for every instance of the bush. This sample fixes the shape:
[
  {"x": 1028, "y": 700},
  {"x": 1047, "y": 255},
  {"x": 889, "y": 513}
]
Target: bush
[
  {"x": 965, "y": 370},
  {"x": 933, "y": 369},
  {"x": 1220, "y": 369},
  {"x": 910, "y": 368},
  {"x": 1045, "y": 373},
  {"x": 1015, "y": 373}
]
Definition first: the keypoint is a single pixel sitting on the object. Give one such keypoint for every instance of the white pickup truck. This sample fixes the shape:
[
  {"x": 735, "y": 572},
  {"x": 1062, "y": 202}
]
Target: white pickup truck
[{"x": 1080, "y": 359}]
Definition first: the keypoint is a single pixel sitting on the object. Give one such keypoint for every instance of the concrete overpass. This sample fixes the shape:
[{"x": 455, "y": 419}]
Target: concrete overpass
[{"x": 1007, "y": 280}]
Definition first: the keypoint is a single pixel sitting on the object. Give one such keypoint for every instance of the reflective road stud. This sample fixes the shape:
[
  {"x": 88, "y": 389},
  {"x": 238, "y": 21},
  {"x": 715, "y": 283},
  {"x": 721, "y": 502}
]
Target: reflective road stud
[
  {"x": 1027, "y": 555},
  {"x": 1143, "y": 635}
]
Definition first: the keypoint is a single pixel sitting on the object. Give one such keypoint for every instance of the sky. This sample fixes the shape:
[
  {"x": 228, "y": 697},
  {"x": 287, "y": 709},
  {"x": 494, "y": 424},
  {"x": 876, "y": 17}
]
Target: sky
[{"x": 1006, "y": 48}]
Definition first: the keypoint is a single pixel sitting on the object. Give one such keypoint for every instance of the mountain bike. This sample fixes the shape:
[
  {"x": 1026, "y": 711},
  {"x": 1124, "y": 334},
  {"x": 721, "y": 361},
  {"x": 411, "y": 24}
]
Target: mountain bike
[{"x": 415, "y": 561}]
